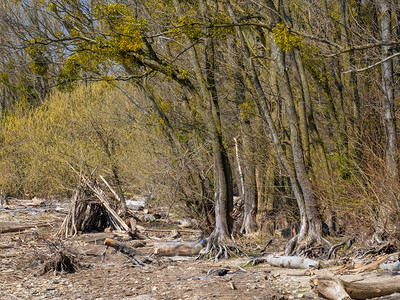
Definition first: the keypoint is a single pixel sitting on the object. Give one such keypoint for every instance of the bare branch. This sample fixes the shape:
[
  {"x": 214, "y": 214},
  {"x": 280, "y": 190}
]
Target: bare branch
[{"x": 374, "y": 65}]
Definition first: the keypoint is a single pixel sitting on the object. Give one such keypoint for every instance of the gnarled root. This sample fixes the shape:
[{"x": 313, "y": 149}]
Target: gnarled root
[
  {"x": 313, "y": 247},
  {"x": 219, "y": 247}
]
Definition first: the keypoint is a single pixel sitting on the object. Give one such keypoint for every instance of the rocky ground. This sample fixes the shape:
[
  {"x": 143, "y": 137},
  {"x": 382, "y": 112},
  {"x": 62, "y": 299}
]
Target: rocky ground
[{"x": 24, "y": 254}]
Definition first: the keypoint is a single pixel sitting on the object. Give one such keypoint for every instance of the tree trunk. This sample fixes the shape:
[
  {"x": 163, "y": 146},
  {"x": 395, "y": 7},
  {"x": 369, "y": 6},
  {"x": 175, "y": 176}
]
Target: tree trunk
[
  {"x": 311, "y": 223},
  {"x": 210, "y": 114},
  {"x": 247, "y": 172},
  {"x": 311, "y": 205},
  {"x": 388, "y": 93}
]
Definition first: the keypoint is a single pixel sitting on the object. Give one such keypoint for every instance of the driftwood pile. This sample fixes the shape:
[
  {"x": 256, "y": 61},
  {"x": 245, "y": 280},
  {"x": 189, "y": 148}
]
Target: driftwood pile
[
  {"x": 61, "y": 259},
  {"x": 90, "y": 210}
]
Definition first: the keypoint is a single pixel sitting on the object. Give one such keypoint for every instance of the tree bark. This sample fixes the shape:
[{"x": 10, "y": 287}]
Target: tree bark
[
  {"x": 388, "y": 93},
  {"x": 207, "y": 96}
]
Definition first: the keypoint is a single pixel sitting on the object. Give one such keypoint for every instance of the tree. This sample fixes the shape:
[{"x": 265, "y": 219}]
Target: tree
[{"x": 388, "y": 92}]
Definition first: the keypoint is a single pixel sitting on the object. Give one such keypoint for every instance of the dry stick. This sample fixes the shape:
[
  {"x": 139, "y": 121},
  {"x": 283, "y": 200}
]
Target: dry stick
[
  {"x": 111, "y": 189},
  {"x": 369, "y": 267},
  {"x": 22, "y": 228}
]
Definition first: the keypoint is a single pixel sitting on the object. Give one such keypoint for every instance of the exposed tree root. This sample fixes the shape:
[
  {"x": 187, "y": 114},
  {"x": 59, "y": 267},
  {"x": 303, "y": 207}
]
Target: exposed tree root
[
  {"x": 219, "y": 248},
  {"x": 314, "y": 247},
  {"x": 387, "y": 248}
]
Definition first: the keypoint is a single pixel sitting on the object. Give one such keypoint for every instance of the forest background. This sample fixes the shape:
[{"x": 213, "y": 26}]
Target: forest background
[{"x": 248, "y": 116}]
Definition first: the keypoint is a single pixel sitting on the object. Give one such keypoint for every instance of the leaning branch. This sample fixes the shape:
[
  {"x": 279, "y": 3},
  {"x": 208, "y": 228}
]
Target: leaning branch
[{"x": 374, "y": 65}]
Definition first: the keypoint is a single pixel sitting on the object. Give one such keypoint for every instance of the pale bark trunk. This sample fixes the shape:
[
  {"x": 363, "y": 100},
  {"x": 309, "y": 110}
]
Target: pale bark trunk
[
  {"x": 247, "y": 169},
  {"x": 311, "y": 205},
  {"x": 262, "y": 104},
  {"x": 388, "y": 93}
]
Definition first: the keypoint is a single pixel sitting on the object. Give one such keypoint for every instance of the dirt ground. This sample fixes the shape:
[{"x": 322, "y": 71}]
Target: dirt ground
[{"x": 23, "y": 255}]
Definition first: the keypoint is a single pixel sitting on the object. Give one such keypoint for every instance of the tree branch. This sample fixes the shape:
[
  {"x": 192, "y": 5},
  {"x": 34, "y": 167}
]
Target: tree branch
[{"x": 372, "y": 66}]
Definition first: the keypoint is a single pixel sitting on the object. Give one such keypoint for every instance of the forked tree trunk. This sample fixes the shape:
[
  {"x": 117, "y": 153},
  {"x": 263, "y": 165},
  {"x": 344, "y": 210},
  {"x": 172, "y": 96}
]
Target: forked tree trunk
[
  {"x": 208, "y": 106},
  {"x": 311, "y": 205},
  {"x": 311, "y": 224}
]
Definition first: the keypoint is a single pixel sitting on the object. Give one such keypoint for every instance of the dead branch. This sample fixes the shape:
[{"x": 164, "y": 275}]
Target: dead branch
[{"x": 22, "y": 228}]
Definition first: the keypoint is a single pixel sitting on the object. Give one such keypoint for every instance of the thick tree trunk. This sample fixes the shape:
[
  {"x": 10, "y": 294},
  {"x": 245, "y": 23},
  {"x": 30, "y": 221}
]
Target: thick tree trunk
[
  {"x": 311, "y": 223},
  {"x": 388, "y": 93},
  {"x": 311, "y": 205},
  {"x": 261, "y": 102},
  {"x": 208, "y": 107}
]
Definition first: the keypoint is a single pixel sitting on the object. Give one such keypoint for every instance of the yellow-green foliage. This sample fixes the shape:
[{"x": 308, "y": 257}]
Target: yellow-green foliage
[
  {"x": 193, "y": 28},
  {"x": 124, "y": 31},
  {"x": 284, "y": 38},
  {"x": 82, "y": 127},
  {"x": 222, "y": 27},
  {"x": 38, "y": 64},
  {"x": 188, "y": 26}
]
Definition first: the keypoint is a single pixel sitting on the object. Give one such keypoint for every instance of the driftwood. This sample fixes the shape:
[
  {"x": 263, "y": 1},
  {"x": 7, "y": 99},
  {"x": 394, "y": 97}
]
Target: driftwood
[
  {"x": 10, "y": 229},
  {"x": 337, "y": 289},
  {"x": 62, "y": 259},
  {"x": 368, "y": 267},
  {"x": 85, "y": 214},
  {"x": 178, "y": 249},
  {"x": 121, "y": 247},
  {"x": 134, "y": 255},
  {"x": 293, "y": 262}
]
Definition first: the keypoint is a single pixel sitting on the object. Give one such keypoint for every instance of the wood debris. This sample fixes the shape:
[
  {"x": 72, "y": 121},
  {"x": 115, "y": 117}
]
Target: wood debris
[{"x": 337, "y": 289}]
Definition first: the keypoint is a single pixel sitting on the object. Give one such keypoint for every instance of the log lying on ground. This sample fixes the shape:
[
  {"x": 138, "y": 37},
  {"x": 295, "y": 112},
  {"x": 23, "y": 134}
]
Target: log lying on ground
[
  {"x": 337, "y": 289},
  {"x": 10, "y": 229},
  {"x": 135, "y": 256},
  {"x": 293, "y": 262},
  {"x": 178, "y": 249},
  {"x": 121, "y": 247}
]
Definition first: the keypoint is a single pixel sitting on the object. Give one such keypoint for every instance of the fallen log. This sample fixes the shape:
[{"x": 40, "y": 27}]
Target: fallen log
[
  {"x": 293, "y": 262},
  {"x": 135, "y": 256},
  {"x": 178, "y": 249},
  {"x": 121, "y": 247},
  {"x": 337, "y": 289},
  {"x": 22, "y": 228}
]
